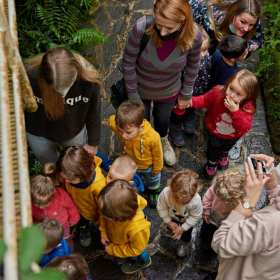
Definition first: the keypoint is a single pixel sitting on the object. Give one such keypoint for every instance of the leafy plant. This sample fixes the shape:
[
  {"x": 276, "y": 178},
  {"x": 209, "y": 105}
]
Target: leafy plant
[{"x": 49, "y": 23}]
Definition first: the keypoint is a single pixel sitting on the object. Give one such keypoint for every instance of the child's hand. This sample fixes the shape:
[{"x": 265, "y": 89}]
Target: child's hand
[
  {"x": 206, "y": 219},
  {"x": 106, "y": 248},
  {"x": 105, "y": 241},
  {"x": 178, "y": 232},
  {"x": 172, "y": 225},
  {"x": 233, "y": 107},
  {"x": 154, "y": 174},
  {"x": 184, "y": 104}
]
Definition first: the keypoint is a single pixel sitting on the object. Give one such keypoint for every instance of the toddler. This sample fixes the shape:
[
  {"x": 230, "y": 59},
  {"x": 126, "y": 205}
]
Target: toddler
[
  {"x": 187, "y": 116},
  {"x": 56, "y": 246},
  {"x": 232, "y": 49},
  {"x": 73, "y": 266},
  {"x": 142, "y": 143},
  {"x": 179, "y": 206},
  {"x": 124, "y": 230},
  {"x": 49, "y": 201},
  {"x": 231, "y": 109},
  {"x": 224, "y": 195},
  {"x": 82, "y": 176}
]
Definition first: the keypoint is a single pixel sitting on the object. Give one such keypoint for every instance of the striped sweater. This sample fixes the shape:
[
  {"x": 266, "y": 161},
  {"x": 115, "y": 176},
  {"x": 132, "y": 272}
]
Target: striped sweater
[{"x": 149, "y": 78}]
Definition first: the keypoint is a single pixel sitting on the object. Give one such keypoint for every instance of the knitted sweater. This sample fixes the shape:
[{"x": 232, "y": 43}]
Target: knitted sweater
[
  {"x": 83, "y": 108},
  {"x": 150, "y": 78},
  {"x": 249, "y": 248},
  {"x": 189, "y": 214},
  {"x": 220, "y": 121},
  {"x": 200, "y": 16}
]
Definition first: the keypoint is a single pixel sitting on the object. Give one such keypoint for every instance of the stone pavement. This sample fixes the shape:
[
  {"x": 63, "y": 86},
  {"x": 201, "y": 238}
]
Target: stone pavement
[{"x": 115, "y": 18}]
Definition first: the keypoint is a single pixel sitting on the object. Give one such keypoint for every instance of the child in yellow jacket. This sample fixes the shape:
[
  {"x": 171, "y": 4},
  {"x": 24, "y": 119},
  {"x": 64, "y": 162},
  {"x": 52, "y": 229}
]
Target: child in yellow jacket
[
  {"x": 124, "y": 230},
  {"x": 83, "y": 179},
  {"x": 142, "y": 143}
]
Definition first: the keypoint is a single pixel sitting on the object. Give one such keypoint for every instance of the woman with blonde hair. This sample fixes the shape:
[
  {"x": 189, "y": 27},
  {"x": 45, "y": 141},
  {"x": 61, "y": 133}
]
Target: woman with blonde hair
[
  {"x": 67, "y": 90},
  {"x": 240, "y": 18},
  {"x": 155, "y": 75}
]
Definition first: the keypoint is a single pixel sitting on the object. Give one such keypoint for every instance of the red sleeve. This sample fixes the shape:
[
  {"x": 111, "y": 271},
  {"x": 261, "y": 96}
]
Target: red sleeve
[
  {"x": 206, "y": 100},
  {"x": 208, "y": 200},
  {"x": 68, "y": 204},
  {"x": 241, "y": 121}
]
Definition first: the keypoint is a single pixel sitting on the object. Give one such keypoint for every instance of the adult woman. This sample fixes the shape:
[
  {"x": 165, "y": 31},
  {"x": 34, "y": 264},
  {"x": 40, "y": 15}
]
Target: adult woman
[
  {"x": 67, "y": 90},
  {"x": 155, "y": 75},
  {"x": 248, "y": 242},
  {"x": 220, "y": 19}
]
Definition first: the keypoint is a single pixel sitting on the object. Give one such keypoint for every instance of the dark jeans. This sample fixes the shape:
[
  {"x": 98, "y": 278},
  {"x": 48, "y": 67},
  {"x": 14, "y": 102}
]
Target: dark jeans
[
  {"x": 207, "y": 232},
  {"x": 217, "y": 146},
  {"x": 161, "y": 113},
  {"x": 187, "y": 235},
  {"x": 176, "y": 120},
  {"x": 83, "y": 221}
]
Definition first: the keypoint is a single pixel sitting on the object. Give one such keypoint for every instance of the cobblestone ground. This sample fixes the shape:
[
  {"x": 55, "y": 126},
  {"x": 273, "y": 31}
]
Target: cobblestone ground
[{"x": 115, "y": 19}]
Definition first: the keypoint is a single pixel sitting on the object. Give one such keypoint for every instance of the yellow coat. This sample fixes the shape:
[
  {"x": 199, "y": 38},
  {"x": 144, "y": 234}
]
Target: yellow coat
[
  {"x": 152, "y": 150},
  {"x": 129, "y": 238},
  {"x": 86, "y": 199}
]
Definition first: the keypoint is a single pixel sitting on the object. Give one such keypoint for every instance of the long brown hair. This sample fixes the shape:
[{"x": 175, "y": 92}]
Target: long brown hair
[
  {"x": 58, "y": 69},
  {"x": 221, "y": 29},
  {"x": 179, "y": 11}
]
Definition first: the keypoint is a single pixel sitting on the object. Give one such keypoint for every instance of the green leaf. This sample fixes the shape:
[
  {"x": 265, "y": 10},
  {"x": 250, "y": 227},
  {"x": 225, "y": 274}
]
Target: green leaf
[
  {"x": 31, "y": 246},
  {"x": 47, "y": 274},
  {"x": 3, "y": 249}
]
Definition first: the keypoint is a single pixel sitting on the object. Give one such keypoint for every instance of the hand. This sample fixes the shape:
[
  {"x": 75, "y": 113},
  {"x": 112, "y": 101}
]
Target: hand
[
  {"x": 268, "y": 160},
  {"x": 154, "y": 174},
  {"x": 233, "y": 107},
  {"x": 184, "y": 104},
  {"x": 92, "y": 150},
  {"x": 106, "y": 248},
  {"x": 105, "y": 241},
  {"x": 178, "y": 232},
  {"x": 206, "y": 219},
  {"x": 172, "y": 225}
]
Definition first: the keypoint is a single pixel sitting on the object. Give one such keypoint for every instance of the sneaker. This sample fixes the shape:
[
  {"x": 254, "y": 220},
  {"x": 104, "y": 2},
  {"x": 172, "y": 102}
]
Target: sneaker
[
  {"x": 131, "y": 266},
  {"x": 168, "y": 152},
  {"x": 120, "y": 261},
  {"x": 189, "y": 127},
  {"x": 153, "y": 197},
  {"x": 179, "y": 141},
  {"x": 204, "y": 245},
  {"x": 85, "y": 239},
  {"x": 223, "y": 162},
  {"x": 210, "y": 170},
  {"x": 182, "y": 249}
]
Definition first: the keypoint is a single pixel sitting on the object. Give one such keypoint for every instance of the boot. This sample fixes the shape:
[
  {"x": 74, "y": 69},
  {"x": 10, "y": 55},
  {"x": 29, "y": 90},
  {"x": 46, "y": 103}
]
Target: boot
[
  {"x": 168, "y": 152},
  {"x": 153, "y": 197},
  {"x": 210, "y": 170},
  {"x": 223, "y": 162}
]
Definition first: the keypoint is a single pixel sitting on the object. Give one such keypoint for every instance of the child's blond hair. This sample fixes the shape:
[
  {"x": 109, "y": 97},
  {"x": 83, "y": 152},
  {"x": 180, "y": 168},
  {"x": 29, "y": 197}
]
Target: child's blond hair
[
  {"x": 184, "y": 182},
  {"x": 42, "y": 186},
  {"x": 129, "y": 114},
  {"x": 119, "y": 201},
  {"x": 125, "y": 166},
  {"x": 228, "y": 186}
]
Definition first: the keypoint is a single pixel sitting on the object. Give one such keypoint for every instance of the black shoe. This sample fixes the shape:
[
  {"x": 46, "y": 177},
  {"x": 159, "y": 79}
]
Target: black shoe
[
  {"x": 153, "y": 197},
  {"x": 131, "y": 266},
  {"x": 85, "y": 239}
]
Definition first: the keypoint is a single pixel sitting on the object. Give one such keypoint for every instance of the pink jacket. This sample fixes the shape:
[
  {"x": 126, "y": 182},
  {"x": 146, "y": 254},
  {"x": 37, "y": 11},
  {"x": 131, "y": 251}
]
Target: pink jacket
[
  {"x": 62, "y": 209},
  {"x": 250, "y": 247},
  {"x": 220, "y": 209}
]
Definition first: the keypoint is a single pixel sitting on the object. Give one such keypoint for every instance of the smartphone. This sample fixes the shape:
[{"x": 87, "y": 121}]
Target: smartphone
[{"x": 255, "y": 164}]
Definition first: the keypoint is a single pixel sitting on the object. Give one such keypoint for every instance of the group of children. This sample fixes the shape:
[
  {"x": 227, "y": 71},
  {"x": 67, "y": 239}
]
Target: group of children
[{"x": 75, "y": 191}]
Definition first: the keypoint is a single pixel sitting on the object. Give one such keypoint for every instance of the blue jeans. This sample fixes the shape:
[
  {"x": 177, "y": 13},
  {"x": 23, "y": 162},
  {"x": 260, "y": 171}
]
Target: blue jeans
[
  {"x": 146, "y": 175},
  {"x": 161, "y": 113},
  {"x": 141, "y": 259},
  {"x": 46, "y": 151}
]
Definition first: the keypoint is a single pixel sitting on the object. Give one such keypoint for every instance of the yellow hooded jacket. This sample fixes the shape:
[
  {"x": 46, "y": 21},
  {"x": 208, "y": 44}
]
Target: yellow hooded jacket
[
  {"x": 86, "y": 200},
  {"x": 151, "y": 144},
  {"x": 129, "y": 238}
]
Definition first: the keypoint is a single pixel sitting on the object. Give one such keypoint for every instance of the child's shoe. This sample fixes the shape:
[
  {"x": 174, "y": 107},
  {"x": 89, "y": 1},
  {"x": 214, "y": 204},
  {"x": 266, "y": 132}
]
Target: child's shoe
[
  {"x": 189, "y": 127},
  {"x": 182, "y": 249},
  {"x": 120, "y": 261},
  {"x": 168, "y": 152},
  {"x": 179, "y": 141},
  {"x": 210, "y": 170},
  {"x": 153, "y": 197},
  {"x": 84, "y": 234},
  {"x": 131, "y": 266},
  {"x": 223, "y": 162},
  {"x": 204, "y": 245}
]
